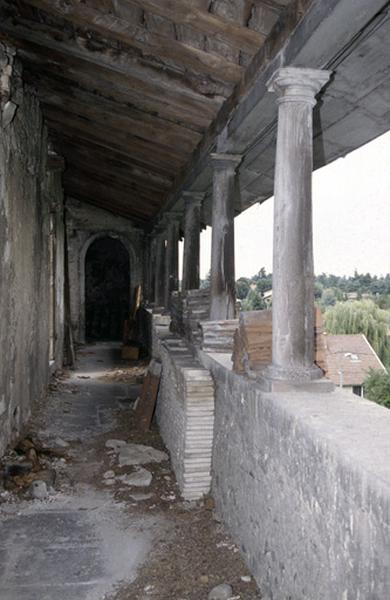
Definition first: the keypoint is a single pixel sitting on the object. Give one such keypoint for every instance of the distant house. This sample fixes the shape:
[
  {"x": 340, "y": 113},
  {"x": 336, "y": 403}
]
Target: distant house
[{"x": 349, "y": 359}]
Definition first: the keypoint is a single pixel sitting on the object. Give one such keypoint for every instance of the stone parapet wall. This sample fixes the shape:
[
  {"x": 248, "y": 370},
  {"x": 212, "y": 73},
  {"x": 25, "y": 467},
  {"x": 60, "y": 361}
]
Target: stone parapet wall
[
  {"x": 185, "y": 413},
  {"x": 303, "y": 483}
]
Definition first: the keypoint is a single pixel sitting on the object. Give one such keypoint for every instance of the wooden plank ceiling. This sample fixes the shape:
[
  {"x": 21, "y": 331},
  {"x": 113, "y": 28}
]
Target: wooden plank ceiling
[{"x": 129, "y": 87}]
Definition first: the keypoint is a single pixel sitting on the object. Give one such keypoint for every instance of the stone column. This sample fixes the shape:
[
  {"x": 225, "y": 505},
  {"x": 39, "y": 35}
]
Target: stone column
[
  {"x": 191, "y": 254},
  {"x": 293, "y": 272},
  {"x": 148, "y": 267},
  {"x": 171, "y": 260},
  {"x": 222, "y": 284},
  {"x": 159, "y": 278}
]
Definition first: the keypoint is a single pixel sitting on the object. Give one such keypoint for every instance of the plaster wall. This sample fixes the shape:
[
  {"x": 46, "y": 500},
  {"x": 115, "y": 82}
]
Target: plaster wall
[
  {"x": 84, "y": 225},
  {"x": 27, "y": 195},
  {"x": 303, "y": 483}
]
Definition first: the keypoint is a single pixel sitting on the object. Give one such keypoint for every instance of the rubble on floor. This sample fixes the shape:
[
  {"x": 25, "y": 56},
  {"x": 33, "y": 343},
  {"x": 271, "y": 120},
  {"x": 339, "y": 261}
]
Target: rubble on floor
[{"x": 109, "y": 529}]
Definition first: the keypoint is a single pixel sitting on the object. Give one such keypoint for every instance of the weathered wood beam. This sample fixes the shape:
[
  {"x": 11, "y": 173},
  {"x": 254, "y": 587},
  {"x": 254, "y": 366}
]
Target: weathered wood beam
[
  {"x": 110, "y": 177},
  {"x": 74, "y": 184},
  {"x": 159, "y": 77},
  {"x": 113, "y": 87},
  {"x": 183, "y": 12},
  {"x": 72, "y": 99},
  {"x": 83, "y": 150},
  {"x": 60, "y": 134},
  {"x": 138, "y": 147},
  {"x": 151, "y": 44}
]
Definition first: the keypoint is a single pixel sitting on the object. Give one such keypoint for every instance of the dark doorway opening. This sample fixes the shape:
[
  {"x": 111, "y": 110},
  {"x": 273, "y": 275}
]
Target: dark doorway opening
[{"x": 107, "y": 289}]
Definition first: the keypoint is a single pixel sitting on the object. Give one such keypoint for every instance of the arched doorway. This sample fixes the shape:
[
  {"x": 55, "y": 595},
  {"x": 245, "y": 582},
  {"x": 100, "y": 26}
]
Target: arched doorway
[{"x": 107, "y": 289}]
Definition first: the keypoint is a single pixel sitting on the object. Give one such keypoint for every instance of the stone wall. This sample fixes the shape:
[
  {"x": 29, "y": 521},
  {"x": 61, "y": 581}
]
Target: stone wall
[
  {"x": 84, "y": 225},
  {"x": 303, "y": 483},
  {"x": 27, "y": 196}
]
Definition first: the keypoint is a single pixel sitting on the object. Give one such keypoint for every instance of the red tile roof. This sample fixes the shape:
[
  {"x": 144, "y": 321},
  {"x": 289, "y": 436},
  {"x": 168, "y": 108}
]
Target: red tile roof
[{"x": 352, "y": 355}]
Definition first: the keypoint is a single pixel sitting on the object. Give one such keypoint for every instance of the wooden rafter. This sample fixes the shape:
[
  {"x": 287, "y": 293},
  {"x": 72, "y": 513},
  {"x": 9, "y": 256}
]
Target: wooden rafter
[
  {"x": 151, "y": 44},
  {"x": 184, "y": 12}
]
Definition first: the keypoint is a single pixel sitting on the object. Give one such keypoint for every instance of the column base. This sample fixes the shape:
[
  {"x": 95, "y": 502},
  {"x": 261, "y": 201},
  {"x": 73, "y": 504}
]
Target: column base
[{"x": 277, "y": 379}]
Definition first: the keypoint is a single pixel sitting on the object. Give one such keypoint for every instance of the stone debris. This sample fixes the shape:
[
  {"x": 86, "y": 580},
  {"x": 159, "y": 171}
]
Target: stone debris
[
  {"x": 39, "y": 490},
  {"x": 246, "y": 578},
  {"x": 140, "y": 478},
  {"x": 109, "y": 475},
  {"x": 223, "y": 591},
  {"x": 139, "y": 496},
  {"x": 138, "y": 454},
  {"x": 115, "y": 444},
  {"x": 60, "y": 443}
]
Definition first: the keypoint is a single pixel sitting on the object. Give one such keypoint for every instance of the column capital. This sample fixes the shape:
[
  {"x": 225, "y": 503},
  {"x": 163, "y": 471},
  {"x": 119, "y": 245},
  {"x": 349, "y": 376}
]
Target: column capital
[
  {"x": 294, "y": 84},
  {"x": 193, "y": 198},
  {"x": 225, "y": 162}
]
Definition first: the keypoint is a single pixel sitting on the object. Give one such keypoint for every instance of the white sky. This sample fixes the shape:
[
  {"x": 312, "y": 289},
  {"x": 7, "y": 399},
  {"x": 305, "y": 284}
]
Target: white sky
[{"x": 351, "y": 221}]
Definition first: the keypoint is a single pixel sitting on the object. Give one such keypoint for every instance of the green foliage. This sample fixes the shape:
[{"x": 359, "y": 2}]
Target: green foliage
[
  {"x": 377, "y": 387},
  {"x": 362, "y": 316},
  {"x": 253, "y": 301},
  {"x": 242, "y": 288},
  {"x": 205, "y": 283}
]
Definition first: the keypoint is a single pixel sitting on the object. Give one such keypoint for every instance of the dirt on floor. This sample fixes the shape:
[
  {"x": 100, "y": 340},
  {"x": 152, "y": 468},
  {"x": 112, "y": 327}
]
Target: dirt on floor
[{"x": 193, "y": 552}]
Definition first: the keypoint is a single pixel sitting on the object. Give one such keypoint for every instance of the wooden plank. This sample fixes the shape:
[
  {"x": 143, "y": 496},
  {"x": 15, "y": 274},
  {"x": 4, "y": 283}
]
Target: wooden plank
[
  {"x": 107, "y": 197},
  {"x": 160, "y": 156},
  {"x": 73, "y": 99},
  {"x": 151, "y": 44},
  {"x": 60, "y": 136},
  {"x": 85, "y": 152},
  {"x": 183, "y": 12},
  {"x": 164, "y": 80},
  {"x": 123, "y": 89},
  {"x": 147, "y": 403}
]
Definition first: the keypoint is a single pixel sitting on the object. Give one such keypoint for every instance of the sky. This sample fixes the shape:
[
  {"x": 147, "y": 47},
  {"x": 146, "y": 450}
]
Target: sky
[{"x": 351, "y": 219}]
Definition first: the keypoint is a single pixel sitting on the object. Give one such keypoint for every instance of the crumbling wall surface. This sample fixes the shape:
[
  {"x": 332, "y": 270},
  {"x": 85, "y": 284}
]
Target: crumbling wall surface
[
  {"x": 84, "y": 225},
  {"x": 24, "y": 212},
  {"x": 303, "y": 483}
]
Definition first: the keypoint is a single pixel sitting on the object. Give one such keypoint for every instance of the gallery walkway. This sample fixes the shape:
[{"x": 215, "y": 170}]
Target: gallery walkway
[{"x": 95, "y": 536}]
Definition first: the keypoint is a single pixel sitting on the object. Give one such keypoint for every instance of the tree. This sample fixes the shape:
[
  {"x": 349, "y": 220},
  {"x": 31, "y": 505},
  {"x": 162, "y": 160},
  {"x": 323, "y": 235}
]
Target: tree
[
  {"x": 377, "y": 387},
  {"x": 253, "y": 301},
  {"x": 242, "y": 288},
  {"x": 205, "y": 283},
  {"x": 362, "y": 316}
]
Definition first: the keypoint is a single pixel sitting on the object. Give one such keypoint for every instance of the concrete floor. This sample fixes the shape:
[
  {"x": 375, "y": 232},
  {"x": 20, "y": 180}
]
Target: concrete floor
[{"x": 80, "y": 543}]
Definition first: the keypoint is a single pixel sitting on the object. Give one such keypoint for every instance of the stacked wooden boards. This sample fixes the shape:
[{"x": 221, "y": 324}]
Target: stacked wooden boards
[
  {"x": 253, "y": 341},
  {"x": 185, "y": 414},
  {"x": 218, "y": 336},
  {"x": 196, "y": 308}
]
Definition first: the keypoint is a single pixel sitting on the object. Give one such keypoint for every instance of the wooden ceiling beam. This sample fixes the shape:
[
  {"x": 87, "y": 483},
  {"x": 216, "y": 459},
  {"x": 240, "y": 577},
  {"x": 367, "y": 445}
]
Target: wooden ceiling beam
[
  {"x": 156, "y": 136},
  {"x": 111, "y": 196},
  {"x": 85, "y": 150},
  {"x": 159, "y": 78},
  {"x": 184, "y": 12},
  {"x": 60, "y": 135},
  {"x": 146, "y": 151},
  {"x": 117, "y": 181},
  {"x": 109, "y": 86},
  {"x": 189, "y": 58}
]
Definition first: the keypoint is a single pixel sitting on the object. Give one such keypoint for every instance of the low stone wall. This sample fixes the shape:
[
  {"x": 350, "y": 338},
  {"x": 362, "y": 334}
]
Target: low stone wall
[
  {"x": 303, "y": 483},
  {"x": 185, "y": 413}
]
